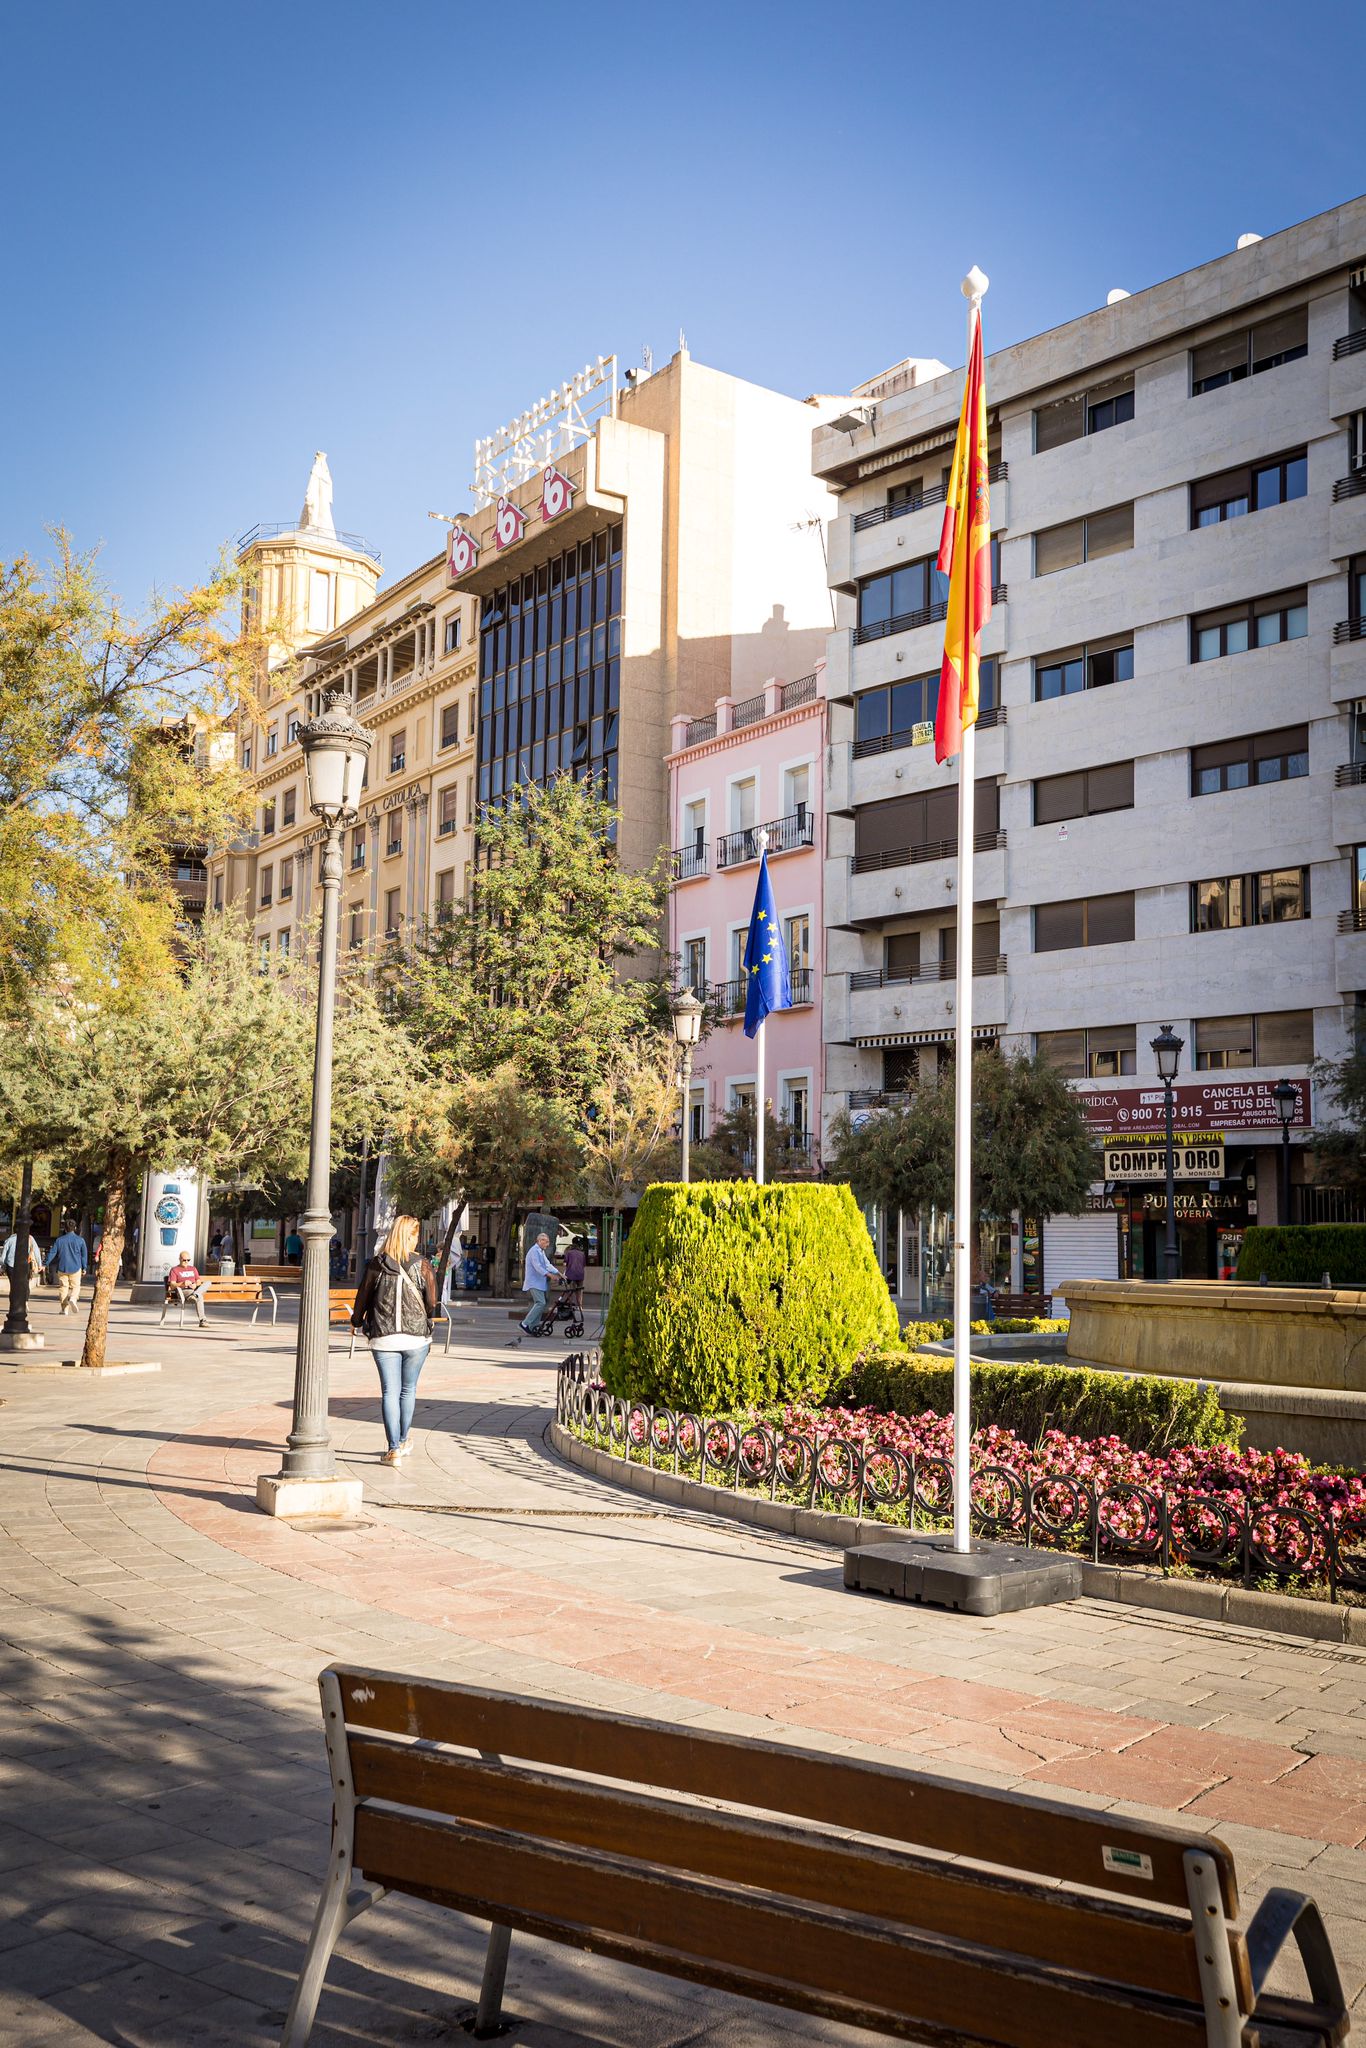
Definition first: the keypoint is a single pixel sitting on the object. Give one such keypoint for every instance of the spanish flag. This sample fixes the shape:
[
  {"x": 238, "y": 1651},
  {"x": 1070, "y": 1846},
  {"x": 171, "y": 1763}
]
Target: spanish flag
[{"x": 965, "y": 557}]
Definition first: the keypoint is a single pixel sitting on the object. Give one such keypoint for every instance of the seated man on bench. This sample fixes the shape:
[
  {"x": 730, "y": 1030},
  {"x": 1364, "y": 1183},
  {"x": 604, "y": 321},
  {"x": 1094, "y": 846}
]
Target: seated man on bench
[{"x": 184, "y": 1284}]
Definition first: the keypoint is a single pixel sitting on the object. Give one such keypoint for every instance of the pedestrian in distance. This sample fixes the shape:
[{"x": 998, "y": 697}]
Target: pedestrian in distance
[
  {"x": 395, "y": 1307},
  {"x": 69, "y": 1259},
  {"x": 35, "y": 1258},
  {"x": 294, "y": 1249},
  {"x": 183, "y": 1283},
  {"x": 539, "y": 1271},
  {"x": 575, "y": 1267}
]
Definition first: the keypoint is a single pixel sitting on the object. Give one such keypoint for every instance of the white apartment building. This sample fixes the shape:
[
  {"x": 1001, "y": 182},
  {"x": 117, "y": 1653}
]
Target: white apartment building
[{"x": 1172, "y": 759}]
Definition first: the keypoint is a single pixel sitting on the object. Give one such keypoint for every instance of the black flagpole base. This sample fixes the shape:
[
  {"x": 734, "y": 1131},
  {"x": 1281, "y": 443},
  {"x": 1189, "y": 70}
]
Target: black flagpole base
[{"x": 991, "y": 1578}]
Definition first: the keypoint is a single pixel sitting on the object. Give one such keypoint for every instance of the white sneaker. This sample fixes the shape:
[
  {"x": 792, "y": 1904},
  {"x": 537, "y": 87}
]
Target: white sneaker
[{"x": 390, "y": 1457}]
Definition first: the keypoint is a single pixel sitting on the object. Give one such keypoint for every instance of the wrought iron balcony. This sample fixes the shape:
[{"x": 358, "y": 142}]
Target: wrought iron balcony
[
  {"x": 937, "y": 970},
  {"x": 700, "y": 729},
  {"x": 785, "y": 835},
  {"x": 689, "y": 862},
  {"x": 935, "y": 495},
  {"x": 919, "y": 735},
  {"x": 748, "y": 712},
  {"x": 901, "y": 622},
  {"x": 911, "y": 856},
  {"x": 728, "y": 997},
  {"x": 1349, "y": 344},
  {"x": 803, "y": 691}
]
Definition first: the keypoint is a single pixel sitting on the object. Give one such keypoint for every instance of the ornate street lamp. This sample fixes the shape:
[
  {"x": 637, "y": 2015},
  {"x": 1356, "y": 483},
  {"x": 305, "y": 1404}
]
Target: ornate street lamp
[
  {"x": 1287, "y": 1102},
  {"x": 1167, "y": 1052},
  {"x": 687, "y": 1016},
  {"x": 335, "y": 749}
]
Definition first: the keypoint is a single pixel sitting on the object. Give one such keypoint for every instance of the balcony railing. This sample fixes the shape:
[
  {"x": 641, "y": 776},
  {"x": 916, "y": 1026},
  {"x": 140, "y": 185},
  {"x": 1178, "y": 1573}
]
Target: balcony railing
[
  {"x": 935, "y": 495},
  {"x": 875, "y": 1098},
  {"x": 785, "y": 835},
  {"x": 748, "y": 712},
  {"x": 1353, "y": 486},
  {"x": 919, "y": 735},
  {"x": 1348, "y": 629},
  {"x": 1352, "y": 920},
  {"x": 699, "y": 730},
  {"x": 903, "y": 622},
  {"x": 937, "y": 970},
  {"x": 911, "y": 856},
  {"x": 1349, "y": 344},
  {"x": 275, "y": 528},
  {"x": 729, "y": 997},
  {"x": 1350, "y": 773},
  {"x": 689, "y": 862},
  {"x": 803, "y": 691}
]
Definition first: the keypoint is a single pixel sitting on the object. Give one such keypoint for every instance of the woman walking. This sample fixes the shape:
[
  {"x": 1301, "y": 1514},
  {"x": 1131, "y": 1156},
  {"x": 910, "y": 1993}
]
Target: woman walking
[{"x": 395, "y": 1305}]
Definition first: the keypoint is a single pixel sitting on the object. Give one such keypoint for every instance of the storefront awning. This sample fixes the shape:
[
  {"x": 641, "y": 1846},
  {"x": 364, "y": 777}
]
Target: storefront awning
[{"x": 982, "y": 1034}]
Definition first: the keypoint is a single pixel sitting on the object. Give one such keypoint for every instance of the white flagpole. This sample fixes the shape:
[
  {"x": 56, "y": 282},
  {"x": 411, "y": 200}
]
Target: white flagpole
[
  {"x": 974, "y": 287},
  {"x": 761, "y": 841}
]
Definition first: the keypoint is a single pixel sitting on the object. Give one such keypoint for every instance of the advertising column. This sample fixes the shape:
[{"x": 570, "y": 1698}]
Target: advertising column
[{"x": 172, "y": 1205}]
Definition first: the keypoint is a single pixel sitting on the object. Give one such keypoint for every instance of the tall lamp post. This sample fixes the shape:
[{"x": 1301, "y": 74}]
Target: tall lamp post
[
  {"x": 18, "y": 1334},
  {"x": 687, "y": 1015},
  {"x": 1287, "y": 1102},
  {"x": 335, "y": 748},
  {"x": 1167, "y": 1052}
]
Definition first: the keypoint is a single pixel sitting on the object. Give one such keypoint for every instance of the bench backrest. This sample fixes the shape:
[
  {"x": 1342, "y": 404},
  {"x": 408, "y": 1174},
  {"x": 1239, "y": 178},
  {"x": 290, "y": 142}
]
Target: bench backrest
[
  {"x": 228, "y": 1288},
  {"x": 507, "y": 1832}
]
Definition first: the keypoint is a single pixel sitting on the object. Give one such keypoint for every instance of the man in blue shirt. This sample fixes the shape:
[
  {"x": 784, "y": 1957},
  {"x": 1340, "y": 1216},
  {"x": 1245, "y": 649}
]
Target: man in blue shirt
[
  {"x": 70, "y": 1258},
  {"x": 536, "y": 1278}
]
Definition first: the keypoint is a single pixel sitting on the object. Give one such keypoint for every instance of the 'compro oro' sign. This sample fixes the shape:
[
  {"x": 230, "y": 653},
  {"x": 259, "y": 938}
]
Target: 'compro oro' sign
[{"x": 1149, "y": 1162}]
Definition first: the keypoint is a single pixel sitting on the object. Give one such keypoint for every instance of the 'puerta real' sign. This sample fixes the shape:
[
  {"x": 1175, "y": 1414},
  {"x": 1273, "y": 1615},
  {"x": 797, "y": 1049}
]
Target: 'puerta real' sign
[{"x": 1224, "y": 1105}]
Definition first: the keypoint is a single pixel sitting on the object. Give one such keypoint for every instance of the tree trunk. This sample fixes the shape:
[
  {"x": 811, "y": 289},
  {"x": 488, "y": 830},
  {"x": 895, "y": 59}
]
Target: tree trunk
[
  {"x": 110, "y": 1260},
  {"x": 444, "y": 1257},
  {"x": 501, "y": 1248}
]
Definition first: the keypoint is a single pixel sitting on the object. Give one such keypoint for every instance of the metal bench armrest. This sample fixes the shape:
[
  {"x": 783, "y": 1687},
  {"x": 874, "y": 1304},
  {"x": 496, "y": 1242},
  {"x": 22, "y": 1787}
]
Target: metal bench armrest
[{"x": 1282, "y": 1914}]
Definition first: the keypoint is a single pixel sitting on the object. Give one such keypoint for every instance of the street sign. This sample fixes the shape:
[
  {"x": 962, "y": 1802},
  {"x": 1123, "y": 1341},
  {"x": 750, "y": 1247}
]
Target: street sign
[{"x": 1149, "y": 1162}]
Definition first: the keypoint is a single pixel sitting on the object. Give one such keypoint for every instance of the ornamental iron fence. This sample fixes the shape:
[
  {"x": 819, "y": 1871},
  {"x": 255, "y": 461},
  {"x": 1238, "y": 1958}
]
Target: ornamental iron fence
[{"x": 1125, "y": 1524}]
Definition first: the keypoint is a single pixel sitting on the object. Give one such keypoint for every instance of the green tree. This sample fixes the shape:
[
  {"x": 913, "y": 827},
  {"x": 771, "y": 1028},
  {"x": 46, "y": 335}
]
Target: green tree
[
  {"x": 208, "y": 1064},
  {"x": 728, "y": 1151},
  {"x": 1340, "y": 1138},
  {"x": 1033, "y": 1149},
  {"x": 629, "y": 1135}
]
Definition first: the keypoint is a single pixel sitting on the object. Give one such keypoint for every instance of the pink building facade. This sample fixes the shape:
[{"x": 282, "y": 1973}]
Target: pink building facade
[{"x": 751, "y": 765}]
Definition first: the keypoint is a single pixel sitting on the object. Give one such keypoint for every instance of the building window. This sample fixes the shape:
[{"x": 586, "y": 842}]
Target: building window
[
  {"x": 697, "y": 1115},
  {"x": 1098, "y": 1053},
  {"x": 394, "y": 838},
  {"x": 797, "y": 931},
  {"x": 909, "y": 596},
  {"x": 1277, "y": 1038},
  {"x": 469, "y": 799},
  {"x": 695, "y": 967},
  {"x": 356, "y": 934},
  {"x": 218, "y": 892},
  {"x": 291, "y": 729},
  {"x": 286, "y": 880},
  {"x": 289, "y": 801},
  {"x": 454, "y": 626},
  {"x": 1074, "y": 669},
  {"x": 393, "y": 912},
  {"x": 901, "y": 956},
  {"x": 267, "y": 885},
  {"x": 744, "y": 801},
  {"x": 319, "y": 601},
  {"x": 398, "y": 751},
  {"x": 1085, "y": 921},
  {"x": 921, "y": 827},
  {"x": 797, "y": 1108},
  {"x": 1084, "y": 540},
  {"x": 797, "y": 796},
  {"x": 246, "y": 756},
  {"x": 268, "y": 819},
  {"x": 1250, "y": 350},
  {"x": 1085, "y": 793},
  {"x": 263, "y": 953},
  {"x": 1255, "y": 488},
  {"x": 282, "y": 939},
  {"x": 471, "y": 703},
  {"x": 445, "y": 894},
  {"x": 1277, "y": 896},
  {"x": 448, "y": 810},
  {"x": 1087, "y": 412},
  {"x": 358, "y": 838},
  {"x": 1260, "y": 757},
  {"x": 272, "y": 742},
  {"x": 550, "y": 671},
  {"x": 1264, "y": 622},
  {"x": 450, "y": 725}
]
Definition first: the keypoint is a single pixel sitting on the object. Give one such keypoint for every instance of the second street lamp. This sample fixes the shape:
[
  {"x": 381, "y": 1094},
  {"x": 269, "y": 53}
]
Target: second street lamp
[
  {"x": 1287, "y": 1102},
  {"x": 335, "y": 750},
  {"x": 687, "y": 1016},
  {"x": 1167, "y": 1052}
]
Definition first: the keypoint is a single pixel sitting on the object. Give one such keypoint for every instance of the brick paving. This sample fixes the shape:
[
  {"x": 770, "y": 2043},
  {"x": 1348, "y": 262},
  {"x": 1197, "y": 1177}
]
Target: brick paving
[{"x": 165, "y": 1797}]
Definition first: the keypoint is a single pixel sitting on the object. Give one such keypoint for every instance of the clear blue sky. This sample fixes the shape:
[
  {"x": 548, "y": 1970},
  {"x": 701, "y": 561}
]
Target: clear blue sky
[{"x": 236, "y": 236}]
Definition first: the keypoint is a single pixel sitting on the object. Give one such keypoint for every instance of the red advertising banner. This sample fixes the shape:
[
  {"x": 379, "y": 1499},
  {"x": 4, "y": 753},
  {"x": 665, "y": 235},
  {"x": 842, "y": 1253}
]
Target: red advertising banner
[{"x": 1223, "y": 1105}]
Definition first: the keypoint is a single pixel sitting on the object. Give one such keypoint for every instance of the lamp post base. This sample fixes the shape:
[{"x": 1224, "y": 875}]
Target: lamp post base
[
  {"x": 21, "y": 1340},
  {"x": 312, "y": 1500},
  {"x": 991, "y": 1578}
]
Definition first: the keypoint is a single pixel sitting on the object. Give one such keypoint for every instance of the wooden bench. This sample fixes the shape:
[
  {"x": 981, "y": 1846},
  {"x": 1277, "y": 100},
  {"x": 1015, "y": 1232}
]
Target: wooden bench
[
  {"x": 625, "y": 1837},
  {"x": 227, "y": 1287},
  {"x": 1022, "y": 1305},
  {"x": 342, "y": 1300}
]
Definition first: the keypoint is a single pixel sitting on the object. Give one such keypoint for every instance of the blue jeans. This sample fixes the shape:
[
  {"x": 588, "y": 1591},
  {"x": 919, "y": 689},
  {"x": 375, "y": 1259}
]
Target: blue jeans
[
  {"x": 398, "y": 1371},
  {"x": 536, "y": 1313}
]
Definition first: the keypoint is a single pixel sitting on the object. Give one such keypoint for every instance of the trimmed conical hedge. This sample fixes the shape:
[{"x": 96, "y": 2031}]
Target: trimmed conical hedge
[{"x": 731, "y": 1294}]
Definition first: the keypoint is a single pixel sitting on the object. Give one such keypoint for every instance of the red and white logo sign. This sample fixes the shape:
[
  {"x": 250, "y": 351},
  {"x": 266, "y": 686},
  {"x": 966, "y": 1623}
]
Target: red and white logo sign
[
  {"x": 510, "y": 524},
  {"x": 463, "y": 553},
  {"x": 557, "y": 494}
]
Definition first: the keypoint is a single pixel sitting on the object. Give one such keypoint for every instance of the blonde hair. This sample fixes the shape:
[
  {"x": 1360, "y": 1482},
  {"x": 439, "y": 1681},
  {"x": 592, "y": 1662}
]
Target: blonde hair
[{"x": 401, "y": 1239}]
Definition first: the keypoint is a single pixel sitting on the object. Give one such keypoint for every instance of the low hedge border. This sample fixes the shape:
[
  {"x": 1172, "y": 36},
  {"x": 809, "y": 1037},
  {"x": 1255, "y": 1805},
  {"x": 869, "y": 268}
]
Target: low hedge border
[
  {"x": 1129, "y": 1585},
  {"x": 1299, "y": 1254}
]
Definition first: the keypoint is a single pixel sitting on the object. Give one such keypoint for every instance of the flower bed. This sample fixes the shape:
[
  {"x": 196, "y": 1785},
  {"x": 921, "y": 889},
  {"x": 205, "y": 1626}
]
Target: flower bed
[{"x": 1258, "y": 1517}]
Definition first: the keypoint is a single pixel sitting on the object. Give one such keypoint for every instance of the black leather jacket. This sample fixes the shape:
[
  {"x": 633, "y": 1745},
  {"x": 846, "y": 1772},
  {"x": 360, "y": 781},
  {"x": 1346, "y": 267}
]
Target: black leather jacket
[{"x": 384, "y": 1306}]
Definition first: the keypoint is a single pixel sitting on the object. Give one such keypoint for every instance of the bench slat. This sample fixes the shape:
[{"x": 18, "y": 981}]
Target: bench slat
[
  {"x": 1005, "y": 1829},
  {"x": 1101, "y": 1937},
  {"x": 692, "y": 1926}
]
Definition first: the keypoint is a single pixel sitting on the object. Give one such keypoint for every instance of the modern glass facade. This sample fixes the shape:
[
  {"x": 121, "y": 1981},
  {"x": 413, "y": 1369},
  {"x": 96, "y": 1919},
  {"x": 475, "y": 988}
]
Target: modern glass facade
[{"x": 550, "y": 671}]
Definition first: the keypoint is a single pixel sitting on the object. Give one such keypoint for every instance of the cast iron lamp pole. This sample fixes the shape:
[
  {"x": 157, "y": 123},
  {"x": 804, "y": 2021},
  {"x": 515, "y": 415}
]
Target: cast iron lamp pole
[
  {"x": 1287, "y": 1102},
  {"x": 1167, "y": 1052},
  {"x": 335, "y": 748},
  {"x": 18, "y": 1334},
  {"x": 687, "y": 1016}
]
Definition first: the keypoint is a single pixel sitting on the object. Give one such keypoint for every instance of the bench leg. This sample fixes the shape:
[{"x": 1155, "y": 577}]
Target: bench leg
[
  {"x": 489, "y": 2011},
  {"x": 1214, "y": 1959}
]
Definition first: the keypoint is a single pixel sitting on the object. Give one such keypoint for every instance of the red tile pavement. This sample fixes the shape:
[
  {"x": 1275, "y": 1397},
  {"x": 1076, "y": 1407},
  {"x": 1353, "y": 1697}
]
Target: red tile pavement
[{"x": 209, "y": 1485}]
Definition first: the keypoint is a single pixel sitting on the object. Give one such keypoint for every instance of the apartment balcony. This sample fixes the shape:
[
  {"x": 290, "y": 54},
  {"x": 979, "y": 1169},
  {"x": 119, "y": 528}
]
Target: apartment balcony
[
  {"x": 938, "y": 970},
  {"x": 912, "y": 643},
  {"x": 1347, "y": 375},
  {"x": 1349, "y": 953},
  {"x": 886, "y": 1010},
  {"x": 728, "y": 997},
  {"x": 785, "y": 835},
  {"x": 689, "y": 863},
  {"x": 911, "y": 879},
  {"x": 1349, "y": 804},
  {"x": 1347, "y": 516},
  {"x": 1347, "y": 661},
  {"x": 865, "y": 543},
  {"x": 870, "y": 771}
]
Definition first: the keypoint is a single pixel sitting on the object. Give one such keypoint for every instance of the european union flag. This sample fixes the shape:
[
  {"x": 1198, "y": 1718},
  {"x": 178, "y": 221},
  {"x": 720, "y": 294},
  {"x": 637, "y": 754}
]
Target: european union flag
[{"x": 768, "y": 985}]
